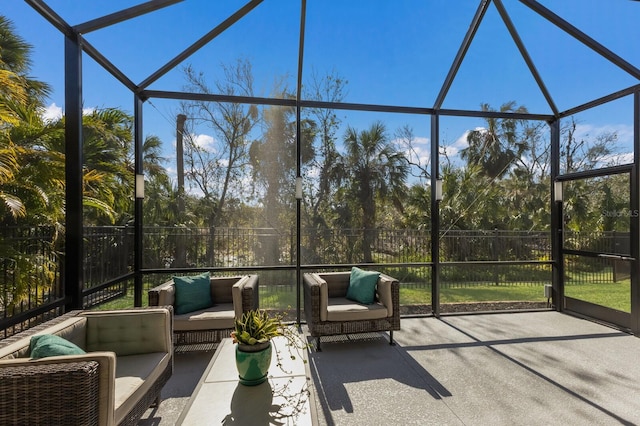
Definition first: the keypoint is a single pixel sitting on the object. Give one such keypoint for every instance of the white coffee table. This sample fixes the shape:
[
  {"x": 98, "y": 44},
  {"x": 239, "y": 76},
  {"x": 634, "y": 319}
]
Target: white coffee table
[{"x": 285, "y": 398}]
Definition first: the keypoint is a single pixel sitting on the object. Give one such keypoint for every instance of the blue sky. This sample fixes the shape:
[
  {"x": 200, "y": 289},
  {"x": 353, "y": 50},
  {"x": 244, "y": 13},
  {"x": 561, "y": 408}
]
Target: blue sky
[{"x": 391, "y": 52}]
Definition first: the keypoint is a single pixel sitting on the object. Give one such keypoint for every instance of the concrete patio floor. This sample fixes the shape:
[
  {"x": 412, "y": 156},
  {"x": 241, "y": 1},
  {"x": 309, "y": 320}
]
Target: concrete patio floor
[{"x": 534, "y": 368}]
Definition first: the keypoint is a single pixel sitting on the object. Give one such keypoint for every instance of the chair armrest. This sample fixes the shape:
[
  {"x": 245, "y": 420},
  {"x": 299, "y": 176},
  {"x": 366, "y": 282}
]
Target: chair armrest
[
  {"x": 250, "y": 294},
  {"x": 130, "y": 331},
  {"x": 316, "y": 297},
  {"x": 73, "y": 389},
  {"x": 162, "y": 295},
  {"x": 245, "y": 295},
  {"x": 385, "y": 294}
]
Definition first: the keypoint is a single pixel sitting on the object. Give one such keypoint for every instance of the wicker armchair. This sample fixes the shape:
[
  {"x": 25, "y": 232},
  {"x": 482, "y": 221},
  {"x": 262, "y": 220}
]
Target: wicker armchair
[
  {"x": 329, "y": 312},
  {"x": 232, "y": 296}
]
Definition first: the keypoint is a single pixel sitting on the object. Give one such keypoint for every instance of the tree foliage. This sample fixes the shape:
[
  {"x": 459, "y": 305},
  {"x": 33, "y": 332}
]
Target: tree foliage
[
  {"x": 496, "y": 147},
  {"x": 241, "y": 161},
  {"x": 216, "y": 170},
  {"x": 375, "y": 173}
]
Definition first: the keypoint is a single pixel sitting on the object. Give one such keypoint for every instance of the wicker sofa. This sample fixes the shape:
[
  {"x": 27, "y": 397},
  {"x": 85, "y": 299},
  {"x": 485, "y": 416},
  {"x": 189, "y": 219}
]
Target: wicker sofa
[
  {"x": 329, "y": 312},
  {"x": 231, "y": 296},
  {"x": 128, "y": 359}
]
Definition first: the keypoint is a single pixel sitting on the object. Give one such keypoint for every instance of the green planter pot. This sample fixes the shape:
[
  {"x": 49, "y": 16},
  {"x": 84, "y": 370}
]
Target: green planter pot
[{"x": 253, "y": 363}]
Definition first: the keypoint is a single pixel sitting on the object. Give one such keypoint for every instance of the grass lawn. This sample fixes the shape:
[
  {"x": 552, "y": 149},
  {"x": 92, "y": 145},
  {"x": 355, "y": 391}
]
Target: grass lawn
[
  {"x": 479, "y": 293},
  {"x": 609, "y": 294},
  {"x": 123, "y": 302},
  {"x": 612, "y": 295}
]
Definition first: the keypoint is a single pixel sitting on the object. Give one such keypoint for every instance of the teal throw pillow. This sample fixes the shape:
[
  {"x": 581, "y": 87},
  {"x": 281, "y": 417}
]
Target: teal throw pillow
[
  {"x": 362, "y": 286},
  {"x": 46, "y": 345},
  {"x": 192, "y": 293}
]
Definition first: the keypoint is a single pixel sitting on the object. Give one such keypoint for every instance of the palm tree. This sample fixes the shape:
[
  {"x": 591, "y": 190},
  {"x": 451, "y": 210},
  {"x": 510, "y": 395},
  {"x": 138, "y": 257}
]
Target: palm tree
[
  {"x": 107, "y": 181},
  {"x": 8, "y": 166},
  {"x": 19, "y": 99},
  {"x": 497, "y": 146},
  {"x": 32, "y": 162},
  {"x": 15, "y": 63},
  {"x": 152, "y": 158},
  {"x": 12, "y": 93},
  {"x": 15, "y": 50},
  {"x": 377, "y": 172}
]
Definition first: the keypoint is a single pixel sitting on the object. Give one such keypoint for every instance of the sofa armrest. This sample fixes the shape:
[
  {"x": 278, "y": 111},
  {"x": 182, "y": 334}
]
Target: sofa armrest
[
  {"x": 311, "y": 296},
  {"x": 75, "y": 389},
  {"x": 245, "y": 295},
  {"x": 384, "y": 292},
  {"x": 162, "y": 295},
  {"x": 130, "y": 331},
  {"x": 250, "y": 294},
  {"x": 394, "y": 307},
  {"x": 316, "y": 297}
]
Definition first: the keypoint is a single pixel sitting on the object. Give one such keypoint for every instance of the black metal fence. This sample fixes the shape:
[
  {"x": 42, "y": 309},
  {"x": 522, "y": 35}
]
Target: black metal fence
[
  {"x": 108, "y": 253},
  {"x": 614, "y": 242},
  {"x": 234, "y": 247},
  {"x": 30, "y": 275},
  {"x": 494, "y": 245}
]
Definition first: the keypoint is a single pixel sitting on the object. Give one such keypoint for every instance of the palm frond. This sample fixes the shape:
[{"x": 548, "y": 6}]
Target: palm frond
[{"x": 14, "y": 205}]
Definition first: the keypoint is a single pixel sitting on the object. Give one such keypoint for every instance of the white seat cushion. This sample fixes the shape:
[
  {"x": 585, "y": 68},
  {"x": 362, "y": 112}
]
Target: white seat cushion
[
  {"x": 217, "y": 317},
  {"x": 343, "y": 309},
  {"x": 135, "y": 374}
]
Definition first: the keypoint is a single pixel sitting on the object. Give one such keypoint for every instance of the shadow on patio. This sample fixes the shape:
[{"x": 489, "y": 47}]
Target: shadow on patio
[{"x": 500, "y": 369}]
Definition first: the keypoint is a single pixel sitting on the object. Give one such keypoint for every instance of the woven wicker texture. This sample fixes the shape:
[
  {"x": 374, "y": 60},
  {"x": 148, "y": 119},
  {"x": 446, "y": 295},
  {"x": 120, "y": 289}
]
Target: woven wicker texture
[
  {"x": 337, "y": 285},
  {"x": 250, "y": 301},
  {"x": 51, "y": 394}
]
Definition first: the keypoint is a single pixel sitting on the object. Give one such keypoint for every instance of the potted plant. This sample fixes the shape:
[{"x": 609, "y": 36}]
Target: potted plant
[{"x": 253, "y": 333}]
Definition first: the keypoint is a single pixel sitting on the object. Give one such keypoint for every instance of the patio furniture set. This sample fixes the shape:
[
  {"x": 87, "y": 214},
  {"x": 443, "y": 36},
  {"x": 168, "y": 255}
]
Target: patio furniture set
[
  {"x": 108, "y": 367},
  {"x": 328, "y": 308}
]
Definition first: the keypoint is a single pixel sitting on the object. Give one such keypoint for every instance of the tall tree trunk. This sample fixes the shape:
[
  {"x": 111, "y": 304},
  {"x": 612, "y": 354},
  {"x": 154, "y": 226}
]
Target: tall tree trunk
[{"x": 368, "y": 223}]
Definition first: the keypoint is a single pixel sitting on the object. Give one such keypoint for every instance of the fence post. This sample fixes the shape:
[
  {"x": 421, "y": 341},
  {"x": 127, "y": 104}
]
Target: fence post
[
  {"x": 435, "y": 216},
  {"x": 494, "y": 250},
  {"x": 73, "y": 274}
]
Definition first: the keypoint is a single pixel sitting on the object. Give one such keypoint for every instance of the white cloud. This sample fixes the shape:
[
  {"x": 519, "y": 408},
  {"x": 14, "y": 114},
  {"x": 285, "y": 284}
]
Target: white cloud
[
  {"x": 589, "y": 131},
  {"x": 584, "y": 131},
  {"x": 625, "y": 134},
  {"x": 208, "y": 143},
  {"x": 617, "y": 159},
  {"x": 52, "y": 113},
  {"x": 458, "y": 145},
  {"x": 312, "y": 172},
  {"x": 203, "y": 141},
  {"x": 421, "y": 141},
  {"x": 420, "y": 150},
  {"x": 418, "y": 155}
]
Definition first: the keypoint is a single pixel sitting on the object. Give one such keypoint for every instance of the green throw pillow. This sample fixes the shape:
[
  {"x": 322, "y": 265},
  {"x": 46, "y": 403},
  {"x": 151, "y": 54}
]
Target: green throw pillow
[
  {"x": 46, "y": 345},
  {"x": 362, "y": 286},
  {"x": 192, "y": 293}
]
